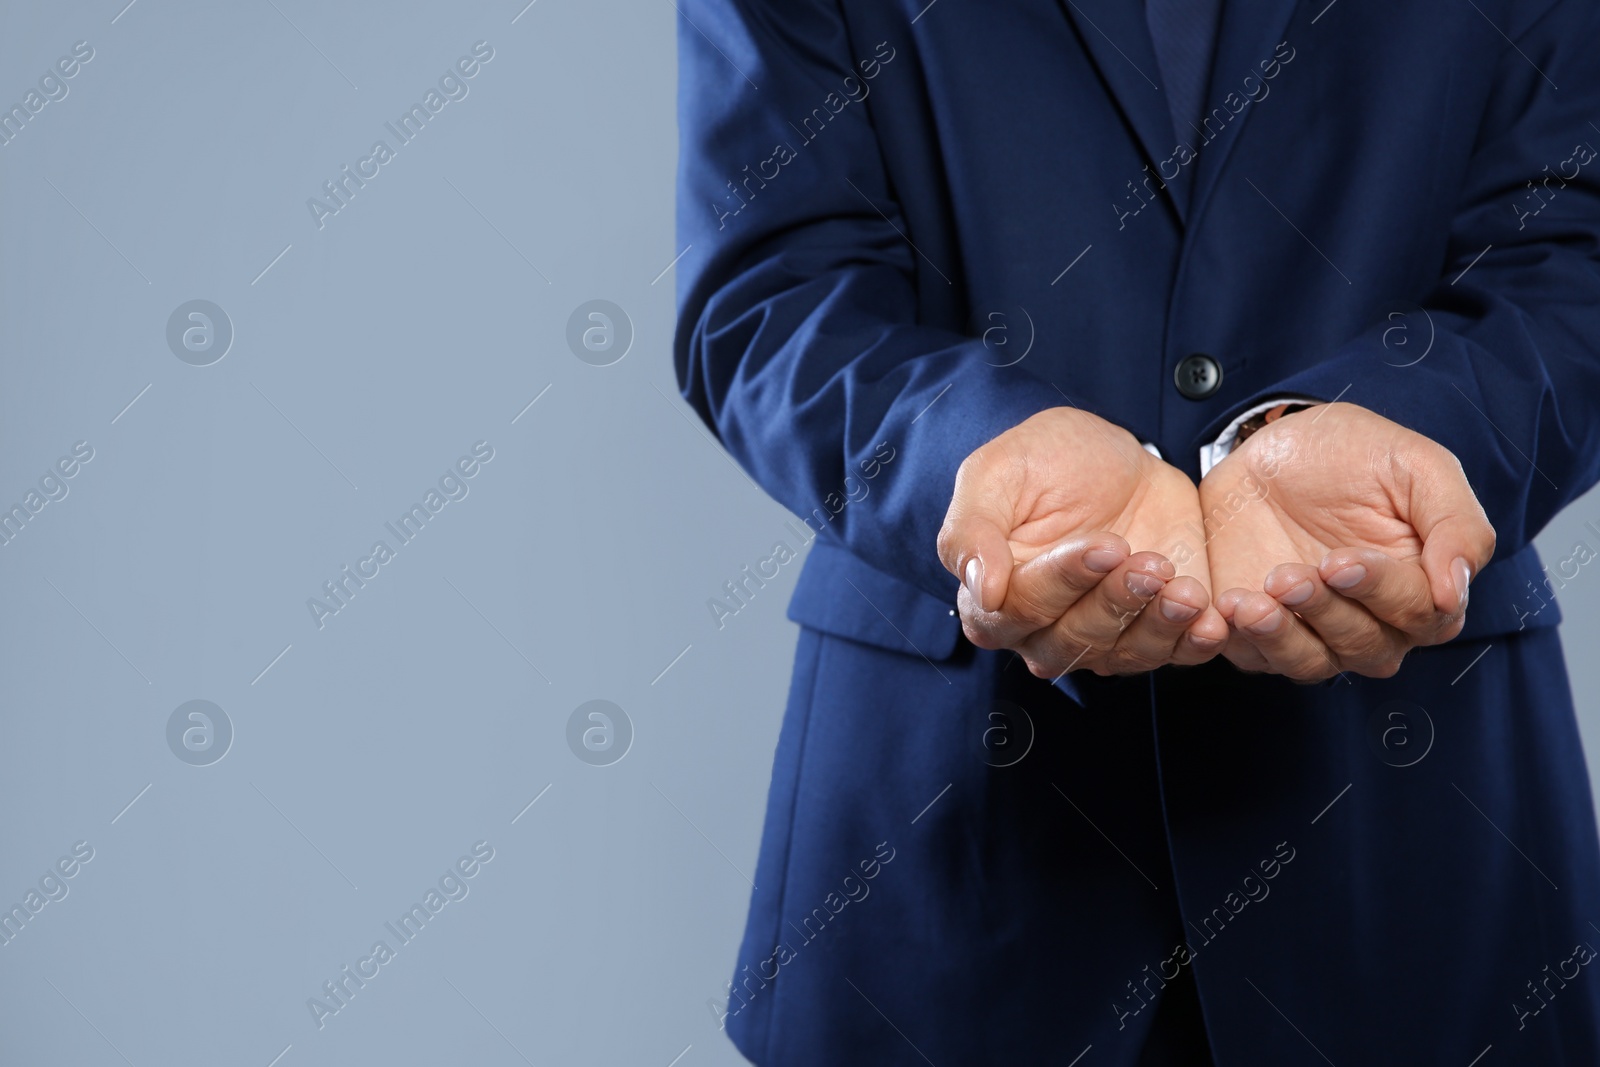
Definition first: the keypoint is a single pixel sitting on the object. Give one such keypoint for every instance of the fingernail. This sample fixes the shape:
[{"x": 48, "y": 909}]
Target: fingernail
[
  {"x": 1298, "y": 595},
  {"x": 1102, "y": 560},
  {"x": 1267, "y": 625},
  {"x": 1144, "y": 586},
  {"x": 1463, "y": 575},
  {"x": 1176, "y": 611},
  {"x": 1349, "y": 577},
  {"x": 974, "y": 581}
]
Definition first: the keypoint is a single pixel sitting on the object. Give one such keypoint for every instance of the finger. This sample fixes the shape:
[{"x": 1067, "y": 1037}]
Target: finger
[
  {"x": 1287, "y": 645},
  {"x": 1088, "y": 631},
  {"x": 1457, "y": 540},
  {"x": 1395, "y": 592},
  {"x": 1041, "y": 590},
  {"x": 1357, "y": 640},
  {"x": 1243, "y": 655},
  {"x": 1152, "y": 638},
  {"x": 1045, "y": 587},
  {"x": 1239, "y": 651},
  {"x": 975, "y": 547},
  {"x": 1204, "y": 638},
  {"x": 1452, "y": 555},
  {"x": 973, "y": 541}
]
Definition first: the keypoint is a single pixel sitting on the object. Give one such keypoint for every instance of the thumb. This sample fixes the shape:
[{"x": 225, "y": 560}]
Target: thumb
[
  {"x": 974, "y": 545},
  {"x": 1457, "y": 540},
  {"x": 974, "y": 542}
]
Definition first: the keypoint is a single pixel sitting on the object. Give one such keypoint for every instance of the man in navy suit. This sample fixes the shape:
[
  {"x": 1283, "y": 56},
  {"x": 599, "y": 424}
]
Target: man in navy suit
[{"x": 1155, "y": 379}]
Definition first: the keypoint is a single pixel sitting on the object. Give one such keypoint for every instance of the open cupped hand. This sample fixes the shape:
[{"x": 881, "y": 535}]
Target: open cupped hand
[
  {"x": 1080, "y": 550},
  {"x": 1331, "y": 540},
  {"x": 1338, "y": 541}
]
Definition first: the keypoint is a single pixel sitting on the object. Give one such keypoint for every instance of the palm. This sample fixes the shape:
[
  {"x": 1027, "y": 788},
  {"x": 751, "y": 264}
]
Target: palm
[
  {"x": 1277, "y": 499},
  {"x": 1106, "y": 481}
]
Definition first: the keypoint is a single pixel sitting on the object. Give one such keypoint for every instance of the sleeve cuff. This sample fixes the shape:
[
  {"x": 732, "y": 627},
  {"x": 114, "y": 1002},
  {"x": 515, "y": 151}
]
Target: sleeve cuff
[{"x": 1215, "y": 452}]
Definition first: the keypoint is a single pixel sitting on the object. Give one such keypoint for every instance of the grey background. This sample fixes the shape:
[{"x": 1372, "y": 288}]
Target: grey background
[{"x": 426, "y": 715}]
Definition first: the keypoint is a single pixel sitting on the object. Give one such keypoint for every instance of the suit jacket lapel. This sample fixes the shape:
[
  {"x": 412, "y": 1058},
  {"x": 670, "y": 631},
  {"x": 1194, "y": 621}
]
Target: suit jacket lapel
[
  {"x": 1118, "y": 40},
  {"x": 1250, "y": 31}
]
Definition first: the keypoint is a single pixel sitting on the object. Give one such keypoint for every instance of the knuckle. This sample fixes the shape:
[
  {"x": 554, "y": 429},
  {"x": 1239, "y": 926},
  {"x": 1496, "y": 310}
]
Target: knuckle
[
  {"x": 1128, "y": 661},
  {"x": 1126, "y": 619},
  {"x": 1281, "y": 641},
  {"x": 1306, "y": 669},
  {"x": 1369, "y": 647},
  {"x": 1077, "y": 631},
  {"x": 1025, "y": 611},
  {"x": 1064, "y": 638},
  {"x": 1416, "y": 611},
  {"x": 1386, "y": 667},
  {"x": 1073, "y": 579},
  {"x": 1039, "y": 669},
  {"x": 1112, "y": 612},
  {"x": 980, "y": 636}
]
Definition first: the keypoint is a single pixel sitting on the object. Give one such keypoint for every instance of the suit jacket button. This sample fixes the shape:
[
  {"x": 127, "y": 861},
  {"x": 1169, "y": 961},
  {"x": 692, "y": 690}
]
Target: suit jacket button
[{"x": 1198, "y": 376}]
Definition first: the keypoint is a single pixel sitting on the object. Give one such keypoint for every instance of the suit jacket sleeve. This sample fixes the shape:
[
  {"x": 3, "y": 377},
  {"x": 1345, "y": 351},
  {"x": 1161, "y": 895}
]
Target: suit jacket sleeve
[
  {"x": 1510, "y": 381},
  {"x": 798, "y": 339}
]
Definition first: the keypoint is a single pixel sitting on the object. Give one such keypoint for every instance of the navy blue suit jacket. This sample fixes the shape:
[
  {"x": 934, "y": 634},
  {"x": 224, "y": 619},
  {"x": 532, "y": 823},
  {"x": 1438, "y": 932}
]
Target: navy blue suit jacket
[{"x": 1396, "y": 205}]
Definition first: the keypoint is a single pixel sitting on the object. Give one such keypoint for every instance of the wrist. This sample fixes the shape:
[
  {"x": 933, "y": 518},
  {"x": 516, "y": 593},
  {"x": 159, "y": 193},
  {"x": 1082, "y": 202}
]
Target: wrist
[{"x": 1261, "y": 420}]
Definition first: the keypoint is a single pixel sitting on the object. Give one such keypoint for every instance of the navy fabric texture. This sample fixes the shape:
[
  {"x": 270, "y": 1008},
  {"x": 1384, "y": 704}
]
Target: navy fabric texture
[
  {"x": 863, "y": 185},
  {"x": 1184, "y": 35}
]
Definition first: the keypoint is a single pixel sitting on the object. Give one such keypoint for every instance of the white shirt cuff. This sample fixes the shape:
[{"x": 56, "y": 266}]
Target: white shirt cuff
[{"x": 1216, "y": 451}]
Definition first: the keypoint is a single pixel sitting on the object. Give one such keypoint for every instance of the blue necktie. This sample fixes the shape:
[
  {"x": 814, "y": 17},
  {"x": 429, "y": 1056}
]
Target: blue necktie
[{"x": 1184, "y": 33}]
